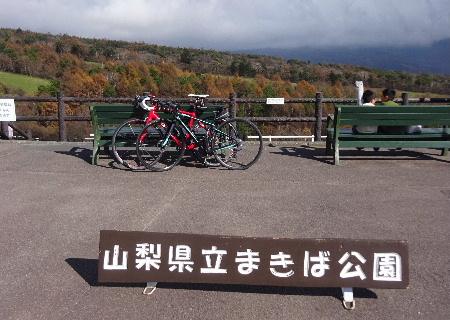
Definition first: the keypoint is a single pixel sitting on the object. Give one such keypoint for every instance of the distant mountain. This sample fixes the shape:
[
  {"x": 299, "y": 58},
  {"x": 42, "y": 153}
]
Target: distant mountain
[{"x": 433, "y": 59}]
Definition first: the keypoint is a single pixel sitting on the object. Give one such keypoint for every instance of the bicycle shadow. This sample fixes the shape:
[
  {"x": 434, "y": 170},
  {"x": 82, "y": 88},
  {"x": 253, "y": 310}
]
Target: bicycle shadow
[
  {"x": 318, "y": 154},
  {"x": 190, "y": 161},
  {"x": 88, "y": 270},
  {"x": 85, "y": 154}
]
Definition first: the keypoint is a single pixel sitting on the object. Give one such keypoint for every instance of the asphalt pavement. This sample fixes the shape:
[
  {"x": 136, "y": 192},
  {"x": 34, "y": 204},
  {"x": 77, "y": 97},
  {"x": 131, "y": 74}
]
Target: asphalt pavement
[{"x": 53, "y": 204}]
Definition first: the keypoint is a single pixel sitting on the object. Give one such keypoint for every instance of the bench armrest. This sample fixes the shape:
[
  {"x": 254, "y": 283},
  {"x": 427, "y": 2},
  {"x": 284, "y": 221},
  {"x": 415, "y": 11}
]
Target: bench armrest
[{"x": 330, "y": 120}]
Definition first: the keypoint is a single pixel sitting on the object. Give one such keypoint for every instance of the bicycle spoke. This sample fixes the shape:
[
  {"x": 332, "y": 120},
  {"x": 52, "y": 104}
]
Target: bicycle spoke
[
  {"x": 157, "y": 150},
  {"x": 237, "y": 144}
]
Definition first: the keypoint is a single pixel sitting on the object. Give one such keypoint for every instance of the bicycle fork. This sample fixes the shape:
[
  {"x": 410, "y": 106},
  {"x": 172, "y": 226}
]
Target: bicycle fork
[{"x": 171, "y": 135}]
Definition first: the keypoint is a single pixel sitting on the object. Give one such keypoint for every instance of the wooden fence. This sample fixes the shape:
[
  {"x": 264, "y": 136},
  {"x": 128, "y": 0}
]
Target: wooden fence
[{"x": 233, "y": 102}]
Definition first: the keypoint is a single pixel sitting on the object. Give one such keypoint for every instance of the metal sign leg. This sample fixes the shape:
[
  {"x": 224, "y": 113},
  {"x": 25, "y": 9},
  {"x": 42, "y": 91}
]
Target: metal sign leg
[
  {"x": 348, "y": 302},
  {"x": 150, "y": 288}
]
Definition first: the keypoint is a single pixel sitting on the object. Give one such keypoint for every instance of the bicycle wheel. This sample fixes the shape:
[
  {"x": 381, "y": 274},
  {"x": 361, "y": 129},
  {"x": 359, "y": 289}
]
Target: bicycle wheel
[
  {"x": 124, "y": 143},
  {"x": 203, "y": 153},
  {"x": 237, "y": 143},
  {"x": 156, "y": 149}
]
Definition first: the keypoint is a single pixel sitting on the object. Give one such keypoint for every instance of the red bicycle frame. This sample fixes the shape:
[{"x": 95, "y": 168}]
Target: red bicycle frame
[{"x": 153, "y": 115}]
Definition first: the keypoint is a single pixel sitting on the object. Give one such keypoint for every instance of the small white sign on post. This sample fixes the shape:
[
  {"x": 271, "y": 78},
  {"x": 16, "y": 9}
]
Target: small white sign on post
[
  {"x": 7, "y": 110},
  {"x": 275, "y": 101}
]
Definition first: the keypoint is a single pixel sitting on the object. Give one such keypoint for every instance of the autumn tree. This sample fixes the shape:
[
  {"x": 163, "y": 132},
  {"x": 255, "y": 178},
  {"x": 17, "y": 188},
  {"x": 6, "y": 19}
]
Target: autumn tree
[
  {"x": 225, "y": 86},
  {"x": 76, "y": 83},
  {"x": 129, "y": 83},
  {"x": 170, "y": 75},
  {"x": 304, "y": 89},
  {"x": 209, "y": 85},
  {"x": 48, "y": 61},
  {"x": 99, "y": 84}
]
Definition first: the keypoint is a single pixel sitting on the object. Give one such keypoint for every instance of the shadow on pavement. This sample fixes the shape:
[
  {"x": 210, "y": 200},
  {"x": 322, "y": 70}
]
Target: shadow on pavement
[
  {"x": 88, "y": 270},
  {"x": 318, "y": 154},
  {"x": 78, "y": 152},
  {"x": 85, "y": 154}
]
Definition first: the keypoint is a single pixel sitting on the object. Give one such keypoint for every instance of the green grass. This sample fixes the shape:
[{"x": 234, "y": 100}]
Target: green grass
[{"x": 26, "y": 83}]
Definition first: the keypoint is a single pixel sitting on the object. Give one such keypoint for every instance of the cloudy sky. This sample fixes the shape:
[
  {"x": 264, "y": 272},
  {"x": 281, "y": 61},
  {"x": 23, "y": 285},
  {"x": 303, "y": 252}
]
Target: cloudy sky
[{"x": 237, "y": 24}]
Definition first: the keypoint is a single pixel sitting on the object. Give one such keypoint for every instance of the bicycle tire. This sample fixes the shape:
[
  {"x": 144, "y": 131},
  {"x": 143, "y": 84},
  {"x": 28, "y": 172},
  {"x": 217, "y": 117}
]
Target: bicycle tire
[
  {"x": 123, "y": 144},
  {"x": 203, "y": 154},
  {"x": 232, "y": 146},
  {"x": 150, "y": 150}
]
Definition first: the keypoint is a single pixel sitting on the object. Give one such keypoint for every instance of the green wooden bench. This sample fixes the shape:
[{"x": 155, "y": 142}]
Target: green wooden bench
[
  {"x": 107, "y": 117},
  {"x": 435, "y": 120}
]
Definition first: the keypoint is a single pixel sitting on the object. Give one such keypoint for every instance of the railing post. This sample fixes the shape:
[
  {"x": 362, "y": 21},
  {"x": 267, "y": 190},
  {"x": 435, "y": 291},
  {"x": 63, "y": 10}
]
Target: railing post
[
  {"x": 405, "y": 98},
  {"x": 62, "y": 116},
  {"x": 318, "y": 115},
  {"x": 4, "y": 129},
  {"x": 233, "y": 108}
]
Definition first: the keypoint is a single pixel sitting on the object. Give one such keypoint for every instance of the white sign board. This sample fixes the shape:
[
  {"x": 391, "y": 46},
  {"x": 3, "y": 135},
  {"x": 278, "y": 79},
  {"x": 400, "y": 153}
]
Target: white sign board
[
  {"x": 7, "y": 110},
  {"x": 275, "y": 101}
]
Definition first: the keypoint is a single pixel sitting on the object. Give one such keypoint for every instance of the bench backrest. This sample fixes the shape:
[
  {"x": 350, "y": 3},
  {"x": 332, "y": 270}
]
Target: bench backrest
[
  {"x": 431, "y": 115},
  {"x": 115, "y": 114}
]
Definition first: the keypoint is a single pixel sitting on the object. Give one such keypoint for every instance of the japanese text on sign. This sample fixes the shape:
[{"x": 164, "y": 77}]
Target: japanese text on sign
[
  {"x": 240, "y": 260},
  {"x": 275, "y": 101}
]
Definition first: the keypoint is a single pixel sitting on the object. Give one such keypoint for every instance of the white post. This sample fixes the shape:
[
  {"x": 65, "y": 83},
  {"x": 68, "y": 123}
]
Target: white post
[
  {"x": 359, "y": 91},
  {"x": 10, "y": 133}
]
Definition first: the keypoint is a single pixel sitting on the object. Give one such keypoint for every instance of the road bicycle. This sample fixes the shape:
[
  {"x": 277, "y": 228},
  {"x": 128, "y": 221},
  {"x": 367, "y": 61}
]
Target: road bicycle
[
  {"x": 124, "y": 138},
  {"x": 235, "y": 143}
]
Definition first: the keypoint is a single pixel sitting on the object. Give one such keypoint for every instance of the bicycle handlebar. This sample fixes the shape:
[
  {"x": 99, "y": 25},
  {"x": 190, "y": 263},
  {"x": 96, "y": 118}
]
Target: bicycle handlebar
[{"x": 142, "y": 102}]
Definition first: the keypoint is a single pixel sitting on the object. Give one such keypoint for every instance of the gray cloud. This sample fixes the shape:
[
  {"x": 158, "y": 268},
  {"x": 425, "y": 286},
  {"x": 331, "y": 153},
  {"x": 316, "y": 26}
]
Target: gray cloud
[{"x": 237, "y": 24}]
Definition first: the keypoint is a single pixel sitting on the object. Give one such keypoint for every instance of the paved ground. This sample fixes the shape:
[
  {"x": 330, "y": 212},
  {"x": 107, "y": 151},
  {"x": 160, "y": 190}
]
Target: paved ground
[{"x": 53, "y": 204}]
